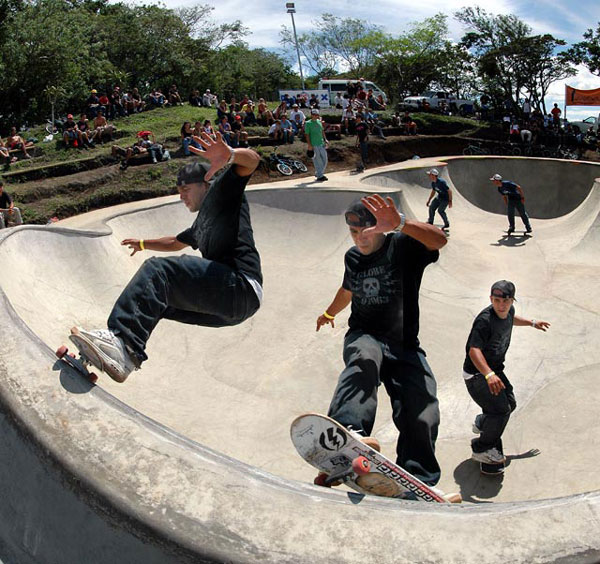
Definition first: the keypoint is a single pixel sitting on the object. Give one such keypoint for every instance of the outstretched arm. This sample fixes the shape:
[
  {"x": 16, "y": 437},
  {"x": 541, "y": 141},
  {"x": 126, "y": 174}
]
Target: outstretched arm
[
  {"x": 535, "y": 323},
  {"x": 388, "y": 219},
  {"x": 219, "y": 154},
  {"x": 164, "y": 244},
  {"x": 342, "y": 298}
]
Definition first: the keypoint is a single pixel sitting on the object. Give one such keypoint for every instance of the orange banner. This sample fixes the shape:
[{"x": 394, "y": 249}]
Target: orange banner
[{"x": 574, "y": 97}]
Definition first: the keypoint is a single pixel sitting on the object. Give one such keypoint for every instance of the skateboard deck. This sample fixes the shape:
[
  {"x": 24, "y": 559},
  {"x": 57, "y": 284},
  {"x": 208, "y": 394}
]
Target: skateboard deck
[
  {"x": 78, "y": 364},
  {"x": 332, "y": 449},
  {"x": 519, "y": 233}
]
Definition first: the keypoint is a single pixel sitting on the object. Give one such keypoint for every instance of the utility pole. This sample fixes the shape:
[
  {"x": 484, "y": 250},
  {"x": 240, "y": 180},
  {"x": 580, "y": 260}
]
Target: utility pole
[{"x": 291, "y": 10}]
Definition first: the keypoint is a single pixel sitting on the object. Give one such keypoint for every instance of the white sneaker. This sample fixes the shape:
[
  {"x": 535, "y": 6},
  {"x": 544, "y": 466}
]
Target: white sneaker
[
  {"x": 491, "y": 456},
  {"x": 105, "y": 351}
]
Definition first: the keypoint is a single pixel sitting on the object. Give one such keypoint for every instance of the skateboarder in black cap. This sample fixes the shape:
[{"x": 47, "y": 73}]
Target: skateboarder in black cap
[
  {"x": 382, "y": 279},
  {"x": 222, "y": 287},
  {"x": 483, "y": 370}
]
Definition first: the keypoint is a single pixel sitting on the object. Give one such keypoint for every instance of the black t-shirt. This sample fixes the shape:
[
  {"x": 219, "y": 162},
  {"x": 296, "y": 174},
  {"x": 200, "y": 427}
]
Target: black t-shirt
[
  {"x": 492, "y": 335},
  {"x": 385, "y": 288},
  {"x": 362, "y": 130},
  {"x": 5, "y": 200},
  {"x": 442, "y": 188},
  {"x": 222, "y": 230},
  {"x": 69, "y": 124},
  {"x": 509, "y": 189}
]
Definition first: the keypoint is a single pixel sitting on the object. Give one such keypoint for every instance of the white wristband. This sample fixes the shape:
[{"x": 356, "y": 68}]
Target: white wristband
[
  {"x": 402, "y": 222},
  {"x": 533, "y": 323},
  {"x": 231, "y": 156}
]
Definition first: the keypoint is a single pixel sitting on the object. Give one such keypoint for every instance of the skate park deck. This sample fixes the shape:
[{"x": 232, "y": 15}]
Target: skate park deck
[{"x": 190, "y": 459}]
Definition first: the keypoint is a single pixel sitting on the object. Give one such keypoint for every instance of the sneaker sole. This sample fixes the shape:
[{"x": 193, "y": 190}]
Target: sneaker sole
[
  {"x": 487, "y": 460},
  {"x": 91, "y": 352}
]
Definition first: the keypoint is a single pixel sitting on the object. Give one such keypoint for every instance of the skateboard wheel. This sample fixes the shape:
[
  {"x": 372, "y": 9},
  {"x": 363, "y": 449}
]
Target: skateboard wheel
[
  {"x": 321, "y": 480},
  {"x": 61, "y": 351},
  {"x": 93, "y": 378},
  {"x": 361, "y": 465}
]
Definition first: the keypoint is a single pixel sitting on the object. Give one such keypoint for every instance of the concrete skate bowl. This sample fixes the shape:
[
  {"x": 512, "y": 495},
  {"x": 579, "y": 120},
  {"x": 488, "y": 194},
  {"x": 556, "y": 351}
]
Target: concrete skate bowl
[{"x": 190, "y": 460}]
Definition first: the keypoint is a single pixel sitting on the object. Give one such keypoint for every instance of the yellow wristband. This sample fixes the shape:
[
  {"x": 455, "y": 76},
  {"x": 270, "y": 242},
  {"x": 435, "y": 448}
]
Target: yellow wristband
[
  {"x": 488, "y": 376},
  {"x": 142, "y": 245},
  {"x": 328, "y": 316}
]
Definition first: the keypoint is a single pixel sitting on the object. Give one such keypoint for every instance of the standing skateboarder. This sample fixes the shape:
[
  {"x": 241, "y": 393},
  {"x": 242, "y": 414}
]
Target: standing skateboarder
[
  {"x": 514, "y": 199},
  {"x": 222, "y": 287},
  {"x": 483, "y": 370},
  {"x": 442, "y": 199},
  {"x": 382, "y": 278}
]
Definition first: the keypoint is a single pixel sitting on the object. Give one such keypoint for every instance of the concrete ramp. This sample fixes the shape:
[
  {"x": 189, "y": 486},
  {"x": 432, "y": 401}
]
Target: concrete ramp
[{"x": 190, "y": 460}]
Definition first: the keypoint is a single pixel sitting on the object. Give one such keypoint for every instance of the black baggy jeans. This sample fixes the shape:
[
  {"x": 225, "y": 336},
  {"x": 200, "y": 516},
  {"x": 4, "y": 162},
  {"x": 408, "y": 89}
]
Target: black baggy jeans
[
  {"x": 412, "y": 388},
  {"x": 183, "y": 288},
  {"x": 496, "y": 411}
]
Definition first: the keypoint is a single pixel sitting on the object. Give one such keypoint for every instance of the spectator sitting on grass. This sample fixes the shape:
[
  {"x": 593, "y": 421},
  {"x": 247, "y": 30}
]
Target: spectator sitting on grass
[
  {"x": 206, "y": 128},
  {"x": 15, "y": 142},
  {"x": 71, "y": 135},
  {"x": 234, "y": 107},
  {"x": 375, "y": 126},
  {"x": 87, "y": 134},
  {"x": 298, "y": 125},
  {"x": 156, "y": 98},
  {"x": 249, "y": 116},
  {"x": 92, "y": 103},
  {"x": 396, "y": 119},
  {"x": 187, "y": 138},
  {"x": 275, "y": 131},
  {"x": 195, "y": 99},
  {"x": 5, "y": 154},
  {"x": 222, "y": 111},
  {"x": 102, "y": 128},
  {"x": 287, "y": 129},
  {"x": 138, "y": 102},
  {"x": 409, "y": 125},
  {"x": 117, "y": 102},
  {"x": 280, "y": 110},
  {"x": 208, "y": 99},
  {"x": 143, "y": 145},
  {"x": 105, "y": 105},
  {"x": 225, "y": 130},
  {"x": 297, "y": 113},
  {"x": 239, "y": 134},
  {"x": 265, "y": 116},
  {"x": 174, "y": 96}
]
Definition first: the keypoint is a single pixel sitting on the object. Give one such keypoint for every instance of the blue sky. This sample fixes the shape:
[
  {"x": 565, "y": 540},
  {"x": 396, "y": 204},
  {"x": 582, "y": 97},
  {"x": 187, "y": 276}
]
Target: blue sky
[{"x": 565, "y": 20}]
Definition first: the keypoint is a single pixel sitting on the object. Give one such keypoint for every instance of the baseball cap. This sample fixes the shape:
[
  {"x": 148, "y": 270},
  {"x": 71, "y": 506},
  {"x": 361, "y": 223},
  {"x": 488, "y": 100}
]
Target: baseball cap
[
  {"x": 192, "y": 173},
  {"x": 315, "y": 112},
  {"x": 94, "y": 91},
  {"x": 433, "y": 171},
  {"x": 503, "y": 289},
  {"x": 357, "y": 215},
  {"x": 496, "y": 177}
]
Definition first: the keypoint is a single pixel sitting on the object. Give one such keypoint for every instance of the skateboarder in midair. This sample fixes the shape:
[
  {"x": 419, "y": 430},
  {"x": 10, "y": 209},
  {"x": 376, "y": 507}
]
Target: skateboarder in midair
[
  {"x": 222, "y": 287},
  {"x": 382, "y": 278},
  {"x": 483, "y": 370},
  {"x": 440, "y": 197},
  {"x": 514, "y": 199}
]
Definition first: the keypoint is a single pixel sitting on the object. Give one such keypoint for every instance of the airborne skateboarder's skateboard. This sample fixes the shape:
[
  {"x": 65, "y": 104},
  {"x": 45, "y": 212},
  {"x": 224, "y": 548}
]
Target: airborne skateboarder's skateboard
[
  {"x": 334, "y": 450},
  {"x": 79, "y": 364}
]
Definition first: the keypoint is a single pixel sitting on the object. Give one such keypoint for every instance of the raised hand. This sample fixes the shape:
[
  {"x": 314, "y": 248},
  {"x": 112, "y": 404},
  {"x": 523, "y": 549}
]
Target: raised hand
[
  {"x": 216, "y": 151},
  {"x": 385, "y": 212}
]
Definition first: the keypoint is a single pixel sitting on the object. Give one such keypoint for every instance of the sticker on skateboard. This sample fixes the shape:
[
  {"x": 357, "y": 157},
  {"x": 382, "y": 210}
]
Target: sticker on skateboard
[{"x": 343, "y": 457}]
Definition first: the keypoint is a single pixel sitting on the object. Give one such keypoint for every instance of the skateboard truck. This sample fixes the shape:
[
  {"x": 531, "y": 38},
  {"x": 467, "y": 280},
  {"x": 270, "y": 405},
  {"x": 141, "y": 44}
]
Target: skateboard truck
[
  {"x": 78, "y": 364},
  {"x": 360, "y": 466}
]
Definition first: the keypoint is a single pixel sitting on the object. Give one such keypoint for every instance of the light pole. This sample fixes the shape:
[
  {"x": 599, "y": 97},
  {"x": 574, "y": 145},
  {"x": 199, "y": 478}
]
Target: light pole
[{"x": 292, "y": 10}]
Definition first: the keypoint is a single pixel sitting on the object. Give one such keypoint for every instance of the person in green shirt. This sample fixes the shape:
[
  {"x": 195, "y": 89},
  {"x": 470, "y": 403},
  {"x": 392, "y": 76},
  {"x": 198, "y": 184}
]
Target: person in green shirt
[{"x": 317, "y": 144}]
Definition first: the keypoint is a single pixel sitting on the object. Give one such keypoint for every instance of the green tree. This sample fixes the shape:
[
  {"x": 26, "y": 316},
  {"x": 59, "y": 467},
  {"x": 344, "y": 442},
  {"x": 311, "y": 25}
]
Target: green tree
[{"x": 587, "y": 52}]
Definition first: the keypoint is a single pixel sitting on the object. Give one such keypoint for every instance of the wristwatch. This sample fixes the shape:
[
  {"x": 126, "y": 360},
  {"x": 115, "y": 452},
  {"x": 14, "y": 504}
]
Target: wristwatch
[{"x": 401, "y": 224}]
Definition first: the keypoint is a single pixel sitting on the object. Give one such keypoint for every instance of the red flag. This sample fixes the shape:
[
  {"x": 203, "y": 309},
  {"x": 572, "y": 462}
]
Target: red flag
[{"x": 575, "y": 97}]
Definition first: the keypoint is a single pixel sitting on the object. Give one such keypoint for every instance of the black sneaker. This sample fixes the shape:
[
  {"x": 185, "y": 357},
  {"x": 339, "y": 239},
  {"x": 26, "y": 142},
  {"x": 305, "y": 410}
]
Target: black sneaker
[
  {"x": 528, "y": 230},
  {"x": 322, "y": 179}
]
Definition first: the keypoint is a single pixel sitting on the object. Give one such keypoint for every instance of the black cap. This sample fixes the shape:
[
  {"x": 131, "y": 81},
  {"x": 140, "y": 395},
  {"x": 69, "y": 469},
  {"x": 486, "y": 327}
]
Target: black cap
[
  {"x": 503, "y": 289},
  {"x": 192, "y": 173},
  {"x": 357, "y": 215}
]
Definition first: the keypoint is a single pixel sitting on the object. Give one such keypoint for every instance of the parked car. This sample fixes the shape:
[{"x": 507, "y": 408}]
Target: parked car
[
  {"x": 583, "y": 126},
  {"x": 436, "y": 100}
]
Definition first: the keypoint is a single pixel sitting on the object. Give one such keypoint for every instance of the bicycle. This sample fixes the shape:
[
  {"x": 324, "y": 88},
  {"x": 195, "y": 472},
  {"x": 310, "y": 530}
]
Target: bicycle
[
  {"x": 475, "y": 150},
  {"x": 284, "y": 164}
]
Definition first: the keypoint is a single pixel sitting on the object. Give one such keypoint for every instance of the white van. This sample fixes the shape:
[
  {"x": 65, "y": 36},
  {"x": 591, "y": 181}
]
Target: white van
[{"x": 335, "y": 85}]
